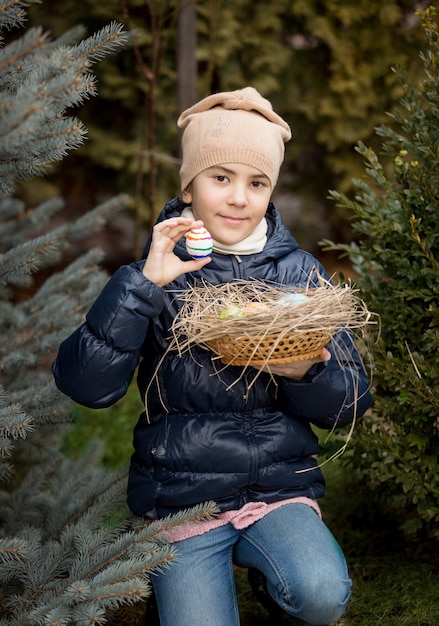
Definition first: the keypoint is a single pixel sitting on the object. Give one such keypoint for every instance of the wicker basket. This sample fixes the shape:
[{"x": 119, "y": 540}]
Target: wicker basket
[{"x": 260, "y": 350}]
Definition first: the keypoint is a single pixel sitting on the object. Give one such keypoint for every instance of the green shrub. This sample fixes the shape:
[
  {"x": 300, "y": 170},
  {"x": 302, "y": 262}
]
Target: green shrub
[{"x": 396, "y": 256}]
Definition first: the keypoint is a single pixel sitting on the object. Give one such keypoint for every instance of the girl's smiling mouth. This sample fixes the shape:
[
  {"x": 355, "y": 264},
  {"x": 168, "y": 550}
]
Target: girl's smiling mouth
[{"x": 232, "y": 220}]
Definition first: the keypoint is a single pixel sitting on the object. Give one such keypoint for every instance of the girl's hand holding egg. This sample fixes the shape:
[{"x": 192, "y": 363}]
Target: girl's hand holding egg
[{"x": 162, "y": 266}]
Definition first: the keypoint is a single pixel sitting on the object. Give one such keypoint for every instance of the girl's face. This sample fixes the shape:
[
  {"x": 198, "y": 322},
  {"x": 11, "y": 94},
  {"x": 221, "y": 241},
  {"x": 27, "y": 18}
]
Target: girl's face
[{"x": 230, "y": 199}]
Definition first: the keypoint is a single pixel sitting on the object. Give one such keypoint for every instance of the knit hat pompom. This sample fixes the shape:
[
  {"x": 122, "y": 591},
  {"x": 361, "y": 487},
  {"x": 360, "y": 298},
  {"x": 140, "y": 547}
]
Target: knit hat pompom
[{"x": 232, "y": 127}]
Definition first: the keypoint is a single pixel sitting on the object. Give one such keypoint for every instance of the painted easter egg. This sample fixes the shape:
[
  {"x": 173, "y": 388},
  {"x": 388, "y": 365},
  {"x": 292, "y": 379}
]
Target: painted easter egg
[
  {"x": 231, "y": 311},
  {"x": 199, "y": 243},
  {"x": 255, "y": 307},
  {"x": 291, "y": 299}
]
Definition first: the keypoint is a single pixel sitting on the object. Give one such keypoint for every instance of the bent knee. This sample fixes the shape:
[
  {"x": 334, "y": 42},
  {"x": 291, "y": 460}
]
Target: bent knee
[{"x": 318, "y": 600}]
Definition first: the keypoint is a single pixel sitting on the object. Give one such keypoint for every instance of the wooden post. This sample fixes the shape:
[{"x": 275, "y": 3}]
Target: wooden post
[{"x": 186, "y": 51}]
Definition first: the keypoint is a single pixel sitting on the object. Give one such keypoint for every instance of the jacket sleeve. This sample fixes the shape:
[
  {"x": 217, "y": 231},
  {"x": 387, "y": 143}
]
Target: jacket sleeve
[
  {"x": 95, "y": 365},
  {"x": 332, "y": 394}
]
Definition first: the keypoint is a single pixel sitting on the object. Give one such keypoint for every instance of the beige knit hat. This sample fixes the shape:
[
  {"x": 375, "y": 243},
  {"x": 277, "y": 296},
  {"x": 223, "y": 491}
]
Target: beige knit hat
[{"x": 232, "y": 127}]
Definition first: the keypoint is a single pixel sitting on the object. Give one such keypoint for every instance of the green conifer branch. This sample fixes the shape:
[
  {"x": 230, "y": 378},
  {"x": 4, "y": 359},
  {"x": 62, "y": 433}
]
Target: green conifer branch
[
  {"x": 396, "y": 448},
  {"x": 93, "y": 221},
  {"x": 34, "y": 39},
  {"x": 53, "y": 79},
  {"x": 15, "y": 423},
  {"x": 100, "y": 45},
  {"x": 11, "y": 550},
  {"x": 12, "y": 12},
  {"x": 27, "y": 220},
  {"x": 18, "y": 264},
  {"x": 70, "y": 552}
]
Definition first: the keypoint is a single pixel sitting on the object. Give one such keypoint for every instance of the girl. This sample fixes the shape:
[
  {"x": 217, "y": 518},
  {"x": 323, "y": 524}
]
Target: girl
[{"x": 214, "y": 441}]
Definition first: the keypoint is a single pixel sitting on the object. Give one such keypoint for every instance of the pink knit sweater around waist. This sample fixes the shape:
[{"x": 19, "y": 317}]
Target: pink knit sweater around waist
[{"x": 240, "y": 519}]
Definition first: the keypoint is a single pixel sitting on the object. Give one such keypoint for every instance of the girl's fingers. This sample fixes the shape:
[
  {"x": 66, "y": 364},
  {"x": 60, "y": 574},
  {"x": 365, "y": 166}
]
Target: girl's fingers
[
  {"x": 196, "y": 264},
  {"x": 175, "y": 228}
]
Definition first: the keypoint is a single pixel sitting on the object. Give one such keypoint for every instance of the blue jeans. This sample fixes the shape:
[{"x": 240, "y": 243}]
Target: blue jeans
[{"x": 304, "y": 566}]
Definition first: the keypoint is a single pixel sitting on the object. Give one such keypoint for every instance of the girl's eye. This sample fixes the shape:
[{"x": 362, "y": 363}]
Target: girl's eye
[
  {"x": 221, "y": 178},
  {"x": 258, "y": 184}
]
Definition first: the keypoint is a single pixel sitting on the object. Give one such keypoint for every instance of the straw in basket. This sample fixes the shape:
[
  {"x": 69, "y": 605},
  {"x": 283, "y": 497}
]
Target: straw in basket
[{"x": 254, "y": 323}]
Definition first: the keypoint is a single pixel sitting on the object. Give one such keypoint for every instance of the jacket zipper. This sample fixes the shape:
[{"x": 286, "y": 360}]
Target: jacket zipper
[
  {"x": 253, "y": 451},
  {"x": 238, "y": 266}
]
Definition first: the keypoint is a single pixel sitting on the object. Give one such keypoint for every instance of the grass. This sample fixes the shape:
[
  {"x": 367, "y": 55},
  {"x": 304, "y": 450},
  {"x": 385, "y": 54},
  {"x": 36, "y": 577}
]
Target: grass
[{"x": 395, "y": 580}]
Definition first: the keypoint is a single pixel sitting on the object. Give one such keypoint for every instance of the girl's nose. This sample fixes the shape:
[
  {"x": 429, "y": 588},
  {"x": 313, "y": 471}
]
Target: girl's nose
[{"x": 238, "y": 195}]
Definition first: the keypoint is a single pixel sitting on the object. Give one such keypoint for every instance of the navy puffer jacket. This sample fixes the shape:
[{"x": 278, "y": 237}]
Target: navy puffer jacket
[{"x": 205, "y": 438}]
